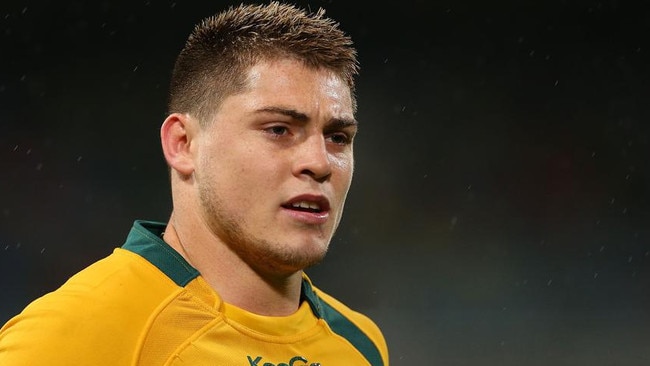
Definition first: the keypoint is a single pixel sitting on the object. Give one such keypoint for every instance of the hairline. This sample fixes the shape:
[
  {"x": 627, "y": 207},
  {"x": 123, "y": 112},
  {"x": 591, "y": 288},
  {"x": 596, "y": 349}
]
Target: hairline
[{"x": 205, "y": 113}]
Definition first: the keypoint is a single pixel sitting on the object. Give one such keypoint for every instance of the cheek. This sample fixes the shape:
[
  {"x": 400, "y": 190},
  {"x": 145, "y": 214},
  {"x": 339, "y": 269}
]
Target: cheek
[
  {"x": 254, "y": 172},
  {"x": 344, "y": 165}
]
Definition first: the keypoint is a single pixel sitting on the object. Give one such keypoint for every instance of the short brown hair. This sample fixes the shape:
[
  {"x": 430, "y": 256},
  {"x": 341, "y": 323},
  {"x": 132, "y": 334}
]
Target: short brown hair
[{"x": 213, "y": 63}]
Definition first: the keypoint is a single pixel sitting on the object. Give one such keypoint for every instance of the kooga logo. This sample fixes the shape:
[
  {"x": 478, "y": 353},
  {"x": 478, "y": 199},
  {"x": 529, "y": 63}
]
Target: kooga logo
[{"x": 295, "y": 361}]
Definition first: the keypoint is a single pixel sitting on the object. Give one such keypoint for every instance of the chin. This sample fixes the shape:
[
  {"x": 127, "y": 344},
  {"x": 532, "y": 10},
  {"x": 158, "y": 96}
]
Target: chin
[{"x": 290, "y": 261}]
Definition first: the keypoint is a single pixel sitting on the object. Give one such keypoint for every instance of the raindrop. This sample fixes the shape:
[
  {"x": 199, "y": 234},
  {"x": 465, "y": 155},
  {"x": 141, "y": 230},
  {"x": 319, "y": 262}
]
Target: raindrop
[
  {"x": 595, "y": 275},
  {"x": 556, "y": 82},
  {"x": 629, "y": 259},
  {"x": 42, "y": 250},
  {"x": 39, "y": 166},
  {"x": 454, "y": 221},
  {"x": 549, "y": 282}
]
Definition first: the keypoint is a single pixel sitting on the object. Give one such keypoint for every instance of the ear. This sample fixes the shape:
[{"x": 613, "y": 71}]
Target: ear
[{"x": 176, "y": 137}]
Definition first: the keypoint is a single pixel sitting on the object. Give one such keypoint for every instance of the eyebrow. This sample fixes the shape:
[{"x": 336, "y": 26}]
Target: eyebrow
[{"x": 302, "y": 117}]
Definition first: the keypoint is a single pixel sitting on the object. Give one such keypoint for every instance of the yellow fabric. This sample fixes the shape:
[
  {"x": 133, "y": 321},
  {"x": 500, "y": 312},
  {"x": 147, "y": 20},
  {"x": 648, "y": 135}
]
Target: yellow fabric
[
  {"x": 363, "y": 322},
  {"x": 123, "y": 310}
]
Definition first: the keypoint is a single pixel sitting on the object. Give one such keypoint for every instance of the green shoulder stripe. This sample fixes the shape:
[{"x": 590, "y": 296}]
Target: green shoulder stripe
[
  {"x": 144, "y": 239},
  {"x": 342, "y": 326}
]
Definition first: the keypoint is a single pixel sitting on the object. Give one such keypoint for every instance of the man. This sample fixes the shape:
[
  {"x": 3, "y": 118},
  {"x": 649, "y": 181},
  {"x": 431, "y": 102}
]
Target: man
[{"x": 259, "y": 143}]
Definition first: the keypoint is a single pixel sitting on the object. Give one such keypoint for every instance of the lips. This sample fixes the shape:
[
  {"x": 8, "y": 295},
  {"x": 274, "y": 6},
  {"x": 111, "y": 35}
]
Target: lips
[
  {"x": 308, "y": 209},
  {"x": 306, "y": 206},
  {"x": 308, "y": 203}
]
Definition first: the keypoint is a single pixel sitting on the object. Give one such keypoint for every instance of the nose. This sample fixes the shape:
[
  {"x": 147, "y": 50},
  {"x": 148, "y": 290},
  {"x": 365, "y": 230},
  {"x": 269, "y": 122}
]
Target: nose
[{"x": 312, "y": 159}]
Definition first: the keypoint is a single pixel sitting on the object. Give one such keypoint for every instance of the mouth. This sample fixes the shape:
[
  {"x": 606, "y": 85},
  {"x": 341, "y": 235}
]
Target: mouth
[{"x": 308, "y": 204}]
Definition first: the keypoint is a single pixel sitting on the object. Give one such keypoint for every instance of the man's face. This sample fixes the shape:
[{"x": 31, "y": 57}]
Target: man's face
[{"x": 275, "y": 165}]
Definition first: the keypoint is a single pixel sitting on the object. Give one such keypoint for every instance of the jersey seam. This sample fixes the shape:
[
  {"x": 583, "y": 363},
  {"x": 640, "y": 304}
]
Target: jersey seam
[
  {"x": 248, "y": 332},
  {"x": 146, "y": 330}
]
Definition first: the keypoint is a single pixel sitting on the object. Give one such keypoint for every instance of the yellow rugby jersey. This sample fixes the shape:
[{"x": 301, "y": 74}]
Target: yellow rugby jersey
[{"x": 145, "y": 305}]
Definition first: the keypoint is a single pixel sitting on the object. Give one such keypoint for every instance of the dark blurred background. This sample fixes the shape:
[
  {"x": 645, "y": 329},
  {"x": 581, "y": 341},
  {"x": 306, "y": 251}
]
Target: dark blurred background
[{"x": 500, "y": 213}]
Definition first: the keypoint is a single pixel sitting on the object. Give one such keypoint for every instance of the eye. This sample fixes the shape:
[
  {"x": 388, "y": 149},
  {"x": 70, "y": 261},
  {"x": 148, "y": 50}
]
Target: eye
[
  {"x": 339, "y": 138},
  {"x": 277, "y": 130}
]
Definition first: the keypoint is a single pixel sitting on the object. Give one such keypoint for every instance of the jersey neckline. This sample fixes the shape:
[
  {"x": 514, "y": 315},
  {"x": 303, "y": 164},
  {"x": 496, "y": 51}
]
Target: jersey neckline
[{"x": 145, "y": 240}]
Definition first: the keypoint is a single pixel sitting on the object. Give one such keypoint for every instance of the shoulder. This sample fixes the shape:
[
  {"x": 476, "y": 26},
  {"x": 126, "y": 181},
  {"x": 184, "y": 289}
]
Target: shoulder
[
  {"x": 98, "y": 315},
  {"x": 123, "y": 285},
  {"x": 353, "y": 325}
]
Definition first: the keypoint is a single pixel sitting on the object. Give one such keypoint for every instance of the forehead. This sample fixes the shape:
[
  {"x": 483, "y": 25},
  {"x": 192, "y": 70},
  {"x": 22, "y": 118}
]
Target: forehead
[{"x": 289, "y": 81}]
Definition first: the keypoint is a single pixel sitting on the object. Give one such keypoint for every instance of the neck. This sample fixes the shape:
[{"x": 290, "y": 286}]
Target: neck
[{"x": 232, "y": 278}]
